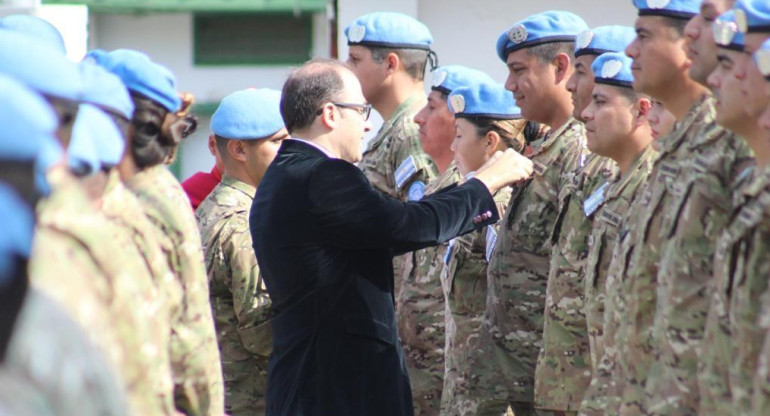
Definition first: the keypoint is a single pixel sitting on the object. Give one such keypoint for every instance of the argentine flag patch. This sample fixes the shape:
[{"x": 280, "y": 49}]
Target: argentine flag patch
[{"x": 405, "y": 171}]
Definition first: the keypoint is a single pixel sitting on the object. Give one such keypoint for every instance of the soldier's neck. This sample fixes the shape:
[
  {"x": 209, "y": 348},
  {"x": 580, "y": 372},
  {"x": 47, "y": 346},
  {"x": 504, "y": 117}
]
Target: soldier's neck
[
  {"x": 399, "y": 91},
  {"x": 239, "y": 173},
  {"x": 758, "y": 140},
  {"x": 679, "y": 98}
]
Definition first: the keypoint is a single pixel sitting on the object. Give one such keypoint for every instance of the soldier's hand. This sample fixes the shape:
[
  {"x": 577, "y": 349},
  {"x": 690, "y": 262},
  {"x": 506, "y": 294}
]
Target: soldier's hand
[{"x": 503, "y": 169}]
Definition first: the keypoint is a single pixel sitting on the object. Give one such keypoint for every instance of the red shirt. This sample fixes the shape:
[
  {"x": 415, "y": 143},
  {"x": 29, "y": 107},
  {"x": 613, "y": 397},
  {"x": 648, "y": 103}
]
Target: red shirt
[{"x": 199, "y": 186}]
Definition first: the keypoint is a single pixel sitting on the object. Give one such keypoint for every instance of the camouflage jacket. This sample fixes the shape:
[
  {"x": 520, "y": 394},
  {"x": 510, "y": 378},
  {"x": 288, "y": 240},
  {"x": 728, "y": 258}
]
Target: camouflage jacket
[
  {"x": 699, "y": 212},
  {"x": 599, "y": 305},
  {"x": 563, "y": 366},
  {"x": 464, "y": 281},
  {"x": 734, "y": 329},
  {"x": 756, "y": 267},
  {"x": 77, "y": 261},
  {"x": 420, "y": 315},
  {"x": 197, "y": 371},
  {"x": 518, "y": 269},
  {"x": 239, "y": 298},
  {"x": 51, "y": 366},
  {"x": 648, "y": 239}
]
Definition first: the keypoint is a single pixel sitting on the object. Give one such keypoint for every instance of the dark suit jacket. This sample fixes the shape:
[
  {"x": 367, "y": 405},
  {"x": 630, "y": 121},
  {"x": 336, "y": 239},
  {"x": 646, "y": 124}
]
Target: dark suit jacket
[{"x": 325, "y": 240}]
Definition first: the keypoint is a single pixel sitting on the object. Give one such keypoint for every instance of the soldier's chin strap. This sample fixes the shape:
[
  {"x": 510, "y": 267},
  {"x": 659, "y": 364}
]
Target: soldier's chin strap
[{"x": 432, "y": 59}]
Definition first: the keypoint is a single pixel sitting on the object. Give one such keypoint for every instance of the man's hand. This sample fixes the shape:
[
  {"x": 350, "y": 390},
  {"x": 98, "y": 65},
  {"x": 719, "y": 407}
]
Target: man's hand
[{"x": 503, "y": 169}]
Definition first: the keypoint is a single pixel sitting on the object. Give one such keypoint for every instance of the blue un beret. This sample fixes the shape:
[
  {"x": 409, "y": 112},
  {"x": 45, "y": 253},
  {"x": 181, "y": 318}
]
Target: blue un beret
[
  {"x": 104, "y": 89},
  {"x": 603, "y": 39},
  {"x": 27, "y": 121},
  {"x": 36, "y": 28},
  {"x": 39, "y": 66},
  {"x": 141, "y": 75},
  {"x": 753, "y": 16},
  {"x": 389, "y": 29},
  {"x": 677, "y": 9},
  {"x": 107, "y": 139},
  {"x": 18, "y": 224},
  {"x": 613, "y": 68},
  {"x": 726, "y": 33},
  {"x": 546, "y": 27},
  {"x": 248, "y": 114},
  {"x": 82, "y": 156},
  {"x": 762, "y": 59},
  {"x": 484, "y": 100},
  {"x": 447, "y": 78}
]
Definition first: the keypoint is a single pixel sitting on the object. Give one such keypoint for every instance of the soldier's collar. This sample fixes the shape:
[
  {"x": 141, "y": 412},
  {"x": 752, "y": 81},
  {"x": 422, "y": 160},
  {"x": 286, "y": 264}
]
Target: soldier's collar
[{"x": 245, "y": 188}]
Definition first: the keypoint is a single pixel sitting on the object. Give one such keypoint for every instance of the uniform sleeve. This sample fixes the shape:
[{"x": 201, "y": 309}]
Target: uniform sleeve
[
  {"x": 406, "y": 145},
  {"x": 353, "y": 214}
]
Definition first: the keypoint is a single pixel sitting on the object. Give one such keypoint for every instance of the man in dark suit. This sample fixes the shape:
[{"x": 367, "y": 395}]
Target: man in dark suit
[{"x": 325, "y": 241}]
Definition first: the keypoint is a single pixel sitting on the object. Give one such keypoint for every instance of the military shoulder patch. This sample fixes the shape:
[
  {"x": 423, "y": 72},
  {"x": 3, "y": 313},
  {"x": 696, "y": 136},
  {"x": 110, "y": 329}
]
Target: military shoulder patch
[
  {"x": 594, "y": 201},
  {"x": 405, "y": 171},
  {"x": 416, "y": 191},
  {"x": 491, "y": 241}
]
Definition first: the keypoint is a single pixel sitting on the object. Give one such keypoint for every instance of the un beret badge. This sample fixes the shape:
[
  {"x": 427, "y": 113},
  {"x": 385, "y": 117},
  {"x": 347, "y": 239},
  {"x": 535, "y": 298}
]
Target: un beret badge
[
  {"x": 584, "y": 39},
  {"x": 518, "y": 34},
  {"x": 762, "y": 57},
  {"x": 356, "y": 33},
  {"x": 438, "y": 78},
  {"x": 657, "y": 4},
  {"x": 724, "y": 32},
  {"x": 611, "y": 69},
  {"x": 458, "y": 103},
  {"x": 741, "y": 20}
]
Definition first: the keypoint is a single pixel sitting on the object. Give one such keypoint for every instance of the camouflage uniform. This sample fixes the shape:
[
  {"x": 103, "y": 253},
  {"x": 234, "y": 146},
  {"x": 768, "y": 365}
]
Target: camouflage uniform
[
  {"x": 698, "y": 213},
  {"x": 77, "y": 260},
  {"x": 518, "y": 271},
  {"x": 600, "y": 305},
  {"x": 239, "y": 299},
  {"x": 195, "y": 364},
  {"x": 757, "y": 266},
  {"x": 464, "y": 281},
  {"x": 563, "y": 366},
  {"x": 420, "y": 304},
  {"x": 642, "y": 253},
  {"x": 395, "y": 164},
  {"x": 734, "y": 327},
  {"x": 51, "y": 368}
]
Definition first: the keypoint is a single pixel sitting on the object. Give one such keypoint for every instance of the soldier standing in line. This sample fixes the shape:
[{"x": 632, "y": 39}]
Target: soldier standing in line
[
  {"x": 248, "y": 130},
  {"x": 538, "y": 52},
  {"x": 388, "y": 53},
  {"x": 616, "y": 127},
  {"x": 420, "y": 302},
  {"x": 563, "y": 367}
]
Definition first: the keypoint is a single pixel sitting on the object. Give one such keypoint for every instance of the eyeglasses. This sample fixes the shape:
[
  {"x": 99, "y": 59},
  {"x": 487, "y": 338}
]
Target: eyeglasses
[{"x": 364, "y": 109}]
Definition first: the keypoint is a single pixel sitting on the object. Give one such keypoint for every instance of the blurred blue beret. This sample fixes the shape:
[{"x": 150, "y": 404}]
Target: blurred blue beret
[
  {"x": 484, "y": 100},
  {"x": 389, "y": 29},
  {"x": 104, "y": 89},
  {"x": 107, "y": 139},
  {"x": 140, "y": 75},
  {"x": 248, "y": 114},
  {"x": 678, "y": 9},
  {"x": 603, "y": 39},
  {"x": 447, "y": 78},
  {"x": 39, "y": 66},
  {"x": 82, "y": 156},
  {"x": 726, "y": 33},
  {"x": 753, "y": 16},
  {"x": 17, "y": 220},
  {"x": 538, "y": 29},
  {"x": 613, "y": 68},
  {"x": 36, "y": 28},
  {"x": 762, "y": 59},
  {"x": 27, "y": 121}
]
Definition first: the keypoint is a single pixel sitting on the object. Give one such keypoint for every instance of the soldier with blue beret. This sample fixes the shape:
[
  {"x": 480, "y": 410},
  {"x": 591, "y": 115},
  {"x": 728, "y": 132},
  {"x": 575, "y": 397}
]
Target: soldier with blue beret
[
  {"x": 35, "y": 28},
  {"x": 248, "y": 130},
  {"x": 420, "y": 302},
  {"x": 105, "y": 90},
  {"x": 161, "y": 121},
  {"x": 678, "y": 9},
  {"x": 701, "y": 49},
  {"x": 539, "y": 54}
]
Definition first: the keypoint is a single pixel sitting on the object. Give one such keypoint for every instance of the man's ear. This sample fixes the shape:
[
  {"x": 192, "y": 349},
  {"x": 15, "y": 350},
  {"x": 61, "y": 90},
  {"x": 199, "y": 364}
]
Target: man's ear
[
  {"x": 329, "y": 116},
  {"x": 392, "y": 61},
  {"x": 236, "y": 149},
  {"x": 642, "y": 110},
  {"x": 563, "y": 67}
]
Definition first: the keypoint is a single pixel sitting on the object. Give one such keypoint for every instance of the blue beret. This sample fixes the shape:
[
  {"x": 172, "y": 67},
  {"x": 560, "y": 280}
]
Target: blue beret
[
  {"x": 678, "y": 9},
  {"x": 389, "y": 29},
  {"x": 613, "y": 68},
  {"x": 18, "y": 225},
  {"x": 546, "y": 27},
  {"x": 248, "y": 114},
  {"x": 82, "y": 156},
  {"x": 36, "y": 28},
  {"x": 762, "y": 59},
  {"x": 485, "y": 100},
  {"x": 753, "y": 16},
  {"x": 726, "y": 33},
  {"x": 27, "y": 120},
  {"x": 141, "y": 75},
  {"x": 447, "y": 78},
  {"x": 603, "y": 39},
  {"x": 104, "y": 89},
  {"x": 39, "y": 66},
  {"x": 107, "y": 139}
]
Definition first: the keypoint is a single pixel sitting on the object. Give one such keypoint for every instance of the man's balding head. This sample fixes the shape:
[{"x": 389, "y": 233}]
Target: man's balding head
[{"x": 307, "y": 89}]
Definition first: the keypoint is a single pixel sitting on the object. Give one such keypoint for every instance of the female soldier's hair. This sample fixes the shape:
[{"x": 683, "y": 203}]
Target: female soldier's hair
[
  {"x": 511, "y": 132},
  {"x": 158, "y": 132}
]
